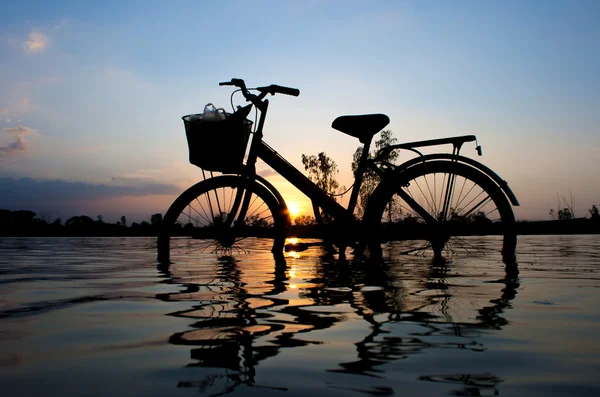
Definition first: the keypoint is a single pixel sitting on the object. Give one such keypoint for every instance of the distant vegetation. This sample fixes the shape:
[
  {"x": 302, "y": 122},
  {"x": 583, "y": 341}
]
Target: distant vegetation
[
  {"x": 322, "y": 170},
  {"x": 28, "y": 223}
]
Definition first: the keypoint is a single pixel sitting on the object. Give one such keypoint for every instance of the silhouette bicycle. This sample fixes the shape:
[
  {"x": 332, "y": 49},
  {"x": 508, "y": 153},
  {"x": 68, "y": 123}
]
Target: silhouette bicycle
[{"x": 439, "y": 198}]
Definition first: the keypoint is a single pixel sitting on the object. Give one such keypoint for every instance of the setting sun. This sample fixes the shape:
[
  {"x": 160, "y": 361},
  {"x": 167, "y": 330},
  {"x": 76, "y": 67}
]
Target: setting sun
[{"x": 294, "y": 209}]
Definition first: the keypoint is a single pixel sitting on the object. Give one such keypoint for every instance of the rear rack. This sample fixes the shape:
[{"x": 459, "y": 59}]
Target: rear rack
[{"x": 456, "y": 141}]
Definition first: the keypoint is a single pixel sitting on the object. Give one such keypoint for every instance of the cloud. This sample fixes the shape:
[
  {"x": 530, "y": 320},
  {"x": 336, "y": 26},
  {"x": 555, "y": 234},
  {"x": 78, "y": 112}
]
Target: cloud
[
  {"x": 60, "y": 196},
  {"x": 60, "y": 189},
  {"x": 267, "y": 173},
  {"x": 36, "y": 42},
  {"x": 19, "y": 131},
  {"x": 18, "y": 144}
]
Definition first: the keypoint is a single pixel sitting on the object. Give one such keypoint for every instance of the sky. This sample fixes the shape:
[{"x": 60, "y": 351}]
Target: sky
[{"x": 92, "y": 93}]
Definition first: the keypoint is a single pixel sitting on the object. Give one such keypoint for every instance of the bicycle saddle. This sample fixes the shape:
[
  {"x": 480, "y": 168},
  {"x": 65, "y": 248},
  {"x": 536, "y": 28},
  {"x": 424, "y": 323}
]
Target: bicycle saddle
[{"x": 363, "y": 127}]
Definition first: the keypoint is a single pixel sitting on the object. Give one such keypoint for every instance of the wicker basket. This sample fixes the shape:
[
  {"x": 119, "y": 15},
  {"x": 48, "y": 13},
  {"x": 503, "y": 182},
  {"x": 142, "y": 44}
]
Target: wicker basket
[{"x": 217, "y": 145}]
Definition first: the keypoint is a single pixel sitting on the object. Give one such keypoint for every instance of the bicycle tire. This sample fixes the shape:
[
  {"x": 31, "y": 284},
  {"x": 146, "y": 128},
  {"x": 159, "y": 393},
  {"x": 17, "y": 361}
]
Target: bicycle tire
[
  {"x": 193, "y": 223},
  {"x": 476, "y": 206}
]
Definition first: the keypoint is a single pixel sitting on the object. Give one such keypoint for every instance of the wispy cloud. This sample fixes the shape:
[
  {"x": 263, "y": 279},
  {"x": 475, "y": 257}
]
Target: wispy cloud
[
  {"x": 19, "y": 131},
  {"x": 36, "y": 42},
  {"x": 267, "y": 173},
  {"x": 18, "y": 143},
  {"x": 143, "y": 176}
]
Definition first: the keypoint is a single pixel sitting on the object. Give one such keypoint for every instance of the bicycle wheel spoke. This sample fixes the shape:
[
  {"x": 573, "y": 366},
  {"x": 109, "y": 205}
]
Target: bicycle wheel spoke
[
  {"x": 477, "y": 206},
  {"x": 422, "y": 248},
  {"x": 464, "y": 244},
  {"x": 202, "y": 207},
  {"x": 467, "y": 194},
  {"x": 409, "y": 208},
  {"x": 442, "y": 195},
  {"x": 436, "y": 209},
  {"x": 262, "y": 212},
  {"x": 491, "y": 212},
  {"x": 201, "y": 249},
  {"x": 460, "y": 194},
  {"x": 424, "y": 196},
  {"x": 254, "y": 208}
]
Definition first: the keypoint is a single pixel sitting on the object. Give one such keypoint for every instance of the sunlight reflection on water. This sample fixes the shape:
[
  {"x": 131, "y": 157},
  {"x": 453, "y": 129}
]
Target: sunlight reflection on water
[{"x": 98, "y": 316}]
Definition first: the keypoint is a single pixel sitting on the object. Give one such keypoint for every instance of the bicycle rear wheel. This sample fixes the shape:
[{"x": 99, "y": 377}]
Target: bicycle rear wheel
[
  {"x": 195, "y": 222},
  {"x": 442, "y": 206}
]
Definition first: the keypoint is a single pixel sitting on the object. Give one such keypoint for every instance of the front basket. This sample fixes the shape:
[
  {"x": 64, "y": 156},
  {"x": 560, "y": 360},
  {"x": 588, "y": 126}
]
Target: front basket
[{"x": 217, "y": 145}]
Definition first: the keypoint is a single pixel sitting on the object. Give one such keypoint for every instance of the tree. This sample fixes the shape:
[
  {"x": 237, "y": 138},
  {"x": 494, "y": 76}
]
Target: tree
[
  {"x": 370, "y": 178},
  {"x": 99, "y": 219},
  {"x": 45, "y": 216},
  {"x": 156, "y": 219},
  {"x": 479, "y": 218},
  {"x": 257, "y": 221},
  {"x": 594, "y": 212},
  {"x": 304, "y": 220},
  {"x": 565, "y": 209},
  {"x": 123, "y": 221},
  {"x": 79, "y": 221},
  {"x": 322, "y": 171},
  {"x": 565, "y": 214},
  {"x": 22, "y": 217},
  {"x": 561, "y": 214}
]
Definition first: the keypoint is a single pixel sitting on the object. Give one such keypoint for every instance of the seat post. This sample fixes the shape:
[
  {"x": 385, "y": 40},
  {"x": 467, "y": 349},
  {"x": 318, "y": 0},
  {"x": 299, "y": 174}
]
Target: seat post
[{"x": 358, "y": 175}]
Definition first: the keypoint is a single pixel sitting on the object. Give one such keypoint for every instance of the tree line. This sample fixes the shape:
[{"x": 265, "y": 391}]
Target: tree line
[{"x": 28, "y": 223}]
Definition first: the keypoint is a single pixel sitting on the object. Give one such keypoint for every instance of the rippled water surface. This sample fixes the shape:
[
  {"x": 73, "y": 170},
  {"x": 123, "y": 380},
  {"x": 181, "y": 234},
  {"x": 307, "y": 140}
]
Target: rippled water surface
[{"x": 97, "y": 317}]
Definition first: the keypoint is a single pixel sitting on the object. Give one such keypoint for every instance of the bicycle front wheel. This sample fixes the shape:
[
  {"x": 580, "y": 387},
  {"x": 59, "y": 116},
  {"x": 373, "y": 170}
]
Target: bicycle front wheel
[
  {"x": 195, "y": 222},
  {"x": 442, "y": 207}
]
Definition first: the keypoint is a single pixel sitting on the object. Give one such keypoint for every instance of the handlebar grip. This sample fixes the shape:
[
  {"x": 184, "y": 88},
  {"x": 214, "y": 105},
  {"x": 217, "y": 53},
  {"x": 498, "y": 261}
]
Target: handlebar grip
[
  {"x": 285, "y": 90},
  {"x": 236, "y": 82}
]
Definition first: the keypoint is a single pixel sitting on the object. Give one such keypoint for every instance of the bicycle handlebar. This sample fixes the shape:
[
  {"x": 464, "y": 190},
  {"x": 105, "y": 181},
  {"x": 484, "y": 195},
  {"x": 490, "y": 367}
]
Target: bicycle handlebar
[
  {"x": 271, "y": 89},
  {"x": 278, "y": 89},
  {"x": 236, "y": 82}
]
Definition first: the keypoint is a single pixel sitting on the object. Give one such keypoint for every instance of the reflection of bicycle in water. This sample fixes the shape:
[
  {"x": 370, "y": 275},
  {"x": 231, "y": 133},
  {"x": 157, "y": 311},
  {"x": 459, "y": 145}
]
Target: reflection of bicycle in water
[
  {"x": 240, "y": 319},
  {"x": 438, "y": 198}
]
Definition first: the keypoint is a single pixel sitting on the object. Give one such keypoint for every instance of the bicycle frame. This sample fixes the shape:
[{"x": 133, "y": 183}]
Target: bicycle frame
[
  {"x": 301, "y": 182},
  {"x": 260, "y": 149}
]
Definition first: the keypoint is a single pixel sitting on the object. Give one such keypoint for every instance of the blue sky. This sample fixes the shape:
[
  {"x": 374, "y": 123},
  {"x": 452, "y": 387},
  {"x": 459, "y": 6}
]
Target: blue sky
[{"x": 93, "y": 93}]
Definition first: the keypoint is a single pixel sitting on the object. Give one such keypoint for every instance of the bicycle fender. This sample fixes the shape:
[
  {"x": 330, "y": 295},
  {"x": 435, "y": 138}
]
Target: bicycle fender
[{"x": 466, "y": 160}]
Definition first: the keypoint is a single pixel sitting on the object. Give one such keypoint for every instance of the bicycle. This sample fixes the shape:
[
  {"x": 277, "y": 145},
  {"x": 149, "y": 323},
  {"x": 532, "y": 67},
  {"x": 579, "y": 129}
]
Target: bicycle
[{"x": 439, "y": 198}]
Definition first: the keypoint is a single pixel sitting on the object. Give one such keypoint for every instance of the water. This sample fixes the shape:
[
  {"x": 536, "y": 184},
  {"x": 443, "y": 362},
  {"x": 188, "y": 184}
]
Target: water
[{"x": 96, "y": 317}]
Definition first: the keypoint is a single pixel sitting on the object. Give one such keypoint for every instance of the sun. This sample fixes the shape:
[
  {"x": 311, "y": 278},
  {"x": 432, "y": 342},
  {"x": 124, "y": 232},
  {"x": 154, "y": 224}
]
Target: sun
[{"x": 294, "y": 209}]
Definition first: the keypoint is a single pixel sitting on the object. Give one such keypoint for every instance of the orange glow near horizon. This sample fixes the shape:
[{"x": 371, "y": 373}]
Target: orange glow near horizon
[{"x": 294, "y": 208}]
